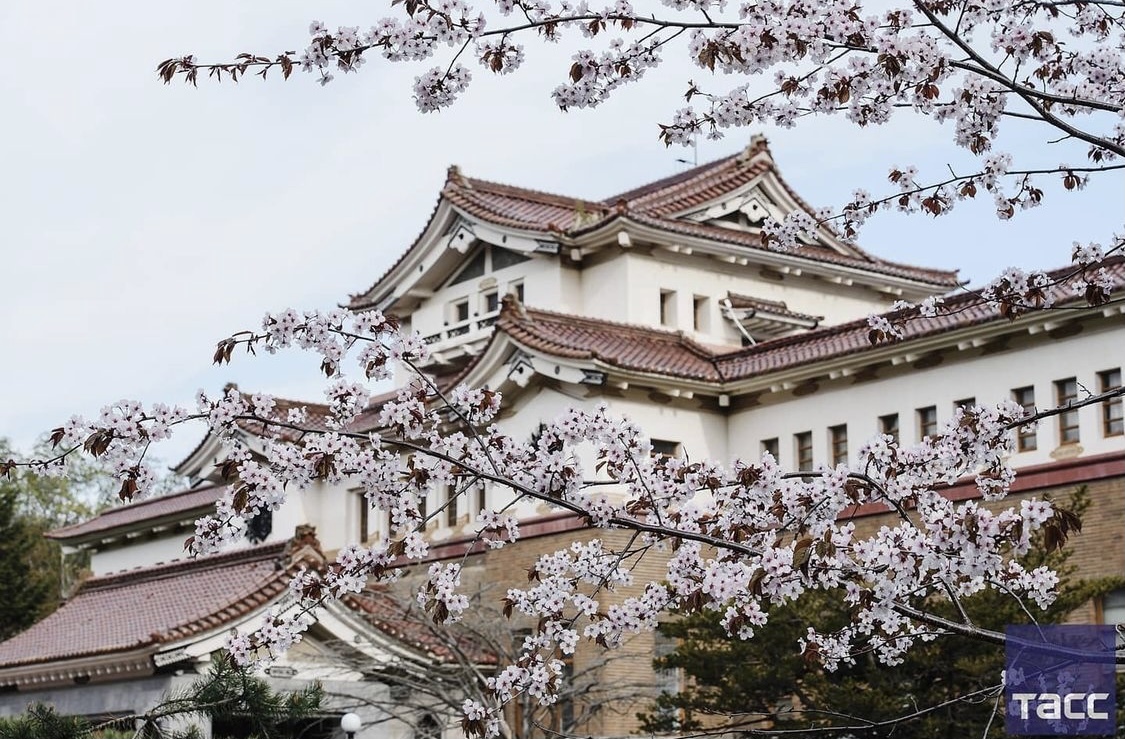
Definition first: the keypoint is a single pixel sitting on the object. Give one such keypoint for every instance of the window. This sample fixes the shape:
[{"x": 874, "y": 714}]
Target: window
[
  {"x": 838, "y": 443},
  {"x": 516, "y": 288},
  {"x": 965, "y": 403},
  {"x": 803, "y": 444},
  {"x": 1066, "y": 391},
  {"x": 363, "y": 528},
  {"x": 450, "y": 503},
  {"x": 700, "y": 313},
  {"x": 459, "y": 310},
  {"x": 888, "y": 425},
  {"x": 1113, "y": 607},
  {"x": 664, "y": 448},
  {"x": 490, "y": 302},
  {"x": 1026, "y": 439},
  {"x": 927, "y": 421},
  {"x": 667, "y": 679},
  {"x": 1112, "y": 424},
  {"x": 771, "y": 446},
  {"x": 668, "y": 307}
]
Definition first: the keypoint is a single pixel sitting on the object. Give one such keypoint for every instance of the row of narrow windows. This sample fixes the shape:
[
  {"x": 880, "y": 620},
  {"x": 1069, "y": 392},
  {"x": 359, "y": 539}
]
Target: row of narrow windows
[
  {"x": 700, "y": 310},
  {"x": 487, "y": 303},
  {"x": 1066, "y": 391}
]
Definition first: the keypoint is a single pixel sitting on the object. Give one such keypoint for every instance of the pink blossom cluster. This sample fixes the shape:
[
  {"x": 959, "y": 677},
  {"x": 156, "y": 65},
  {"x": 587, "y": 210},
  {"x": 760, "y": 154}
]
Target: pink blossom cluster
[{"x": 737, "y": 538}]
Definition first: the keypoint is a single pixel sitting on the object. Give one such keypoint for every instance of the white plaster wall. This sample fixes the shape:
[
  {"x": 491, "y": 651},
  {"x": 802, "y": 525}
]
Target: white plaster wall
[
  {"x": 139, "y": 554},
  {"x": 627, "y": 288},
  {"x": 538, "y": 275},
  {"x": 143, "y": 552},
  {"x": 988, "y": 379}
]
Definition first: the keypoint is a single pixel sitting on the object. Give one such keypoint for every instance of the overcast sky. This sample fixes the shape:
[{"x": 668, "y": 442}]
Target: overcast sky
[{"x": 141, "y": 223}]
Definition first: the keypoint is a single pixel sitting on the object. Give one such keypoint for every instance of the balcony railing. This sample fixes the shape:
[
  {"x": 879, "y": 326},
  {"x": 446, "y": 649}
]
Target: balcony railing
[{"x": 463, "y": 328}]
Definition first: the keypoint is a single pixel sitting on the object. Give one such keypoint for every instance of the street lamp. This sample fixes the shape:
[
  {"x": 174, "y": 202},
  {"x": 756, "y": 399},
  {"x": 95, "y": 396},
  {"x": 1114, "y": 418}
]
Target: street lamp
[{"x": 350, "y": 723}]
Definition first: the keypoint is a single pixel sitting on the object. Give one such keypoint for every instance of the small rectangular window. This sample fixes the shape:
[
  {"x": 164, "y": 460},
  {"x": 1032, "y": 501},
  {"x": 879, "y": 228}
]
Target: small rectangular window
[
  {"x": 516, "y": 288},
  {"x": 927, "y": 421},
  {"x": 363, "y": 528},
  {"x": 1026, "y": 439},
  {"x": 771, "y": 446},
  {"x": 459, "y": 311},
  {"x": 1112, "y": 423},
  {"x": 888, "y": 425},
  {"x": 668, "y": 307},
  {"x": 1066, "y": 391},
  {"x": 838, "y": 443},
  {"x": 450, "y": 505},
  {"x": 700, "y": 306},
  {"x": 965, "y": 403},
  {"x": 490, "y": 302},
  {"x": 665, "y": 448},
  {"x": 803, "y": 444}
]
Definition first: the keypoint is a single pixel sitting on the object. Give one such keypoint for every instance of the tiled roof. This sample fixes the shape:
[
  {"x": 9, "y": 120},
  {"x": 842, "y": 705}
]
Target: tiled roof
[
  {"x": 654, "y": 204},
  {"x": 402, "y": 620},
  {"x": 621, "y": 345},
  {"x": 171, "y": 505},
  {"x": 776, "y": 307},
  {"x": 961, "y": 311},
  {"x": 153, "y": 605},
  {"x": 685, "y": 190},
  {"x": 669, "y": 353},
  {"x": 937, "y": 277}
]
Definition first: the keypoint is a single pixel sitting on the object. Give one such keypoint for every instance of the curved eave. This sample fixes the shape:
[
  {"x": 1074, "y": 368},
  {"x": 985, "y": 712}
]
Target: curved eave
[
  {"x": 441, "y": 218},
  {"x": 848, "y": 362},
  {"x": 158, "y": 526},
  {"x": 432, "y": 258},
  {"x": 198, "y": 458},
  {"x": 784, "y": 262},
  {"x": 111, "y": 665}
]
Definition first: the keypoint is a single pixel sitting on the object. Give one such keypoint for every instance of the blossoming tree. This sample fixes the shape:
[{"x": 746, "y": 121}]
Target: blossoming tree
[{"x": 738, "y": 538}]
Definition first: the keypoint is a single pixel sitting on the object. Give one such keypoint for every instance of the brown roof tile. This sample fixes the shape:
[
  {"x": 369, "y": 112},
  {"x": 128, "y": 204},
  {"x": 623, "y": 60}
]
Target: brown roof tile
[
  {"x": 777, "y": 307},
  {"x": 173, "y": 505},
  {"x": 654, "y": 203},
  {"x": 961, "y": 311},
  {"x": 623, "y": 345},
  {"x": 152, "y": 605},
  {"x": 402, "y": 620},
  {"x": 669, "y": 353}
]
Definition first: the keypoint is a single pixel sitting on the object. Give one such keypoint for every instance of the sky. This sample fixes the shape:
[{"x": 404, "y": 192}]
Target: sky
[{"x": 141, "y": 223}]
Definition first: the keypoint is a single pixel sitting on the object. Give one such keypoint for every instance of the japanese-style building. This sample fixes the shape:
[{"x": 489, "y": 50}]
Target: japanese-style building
[{"x": 663, "y": 303}]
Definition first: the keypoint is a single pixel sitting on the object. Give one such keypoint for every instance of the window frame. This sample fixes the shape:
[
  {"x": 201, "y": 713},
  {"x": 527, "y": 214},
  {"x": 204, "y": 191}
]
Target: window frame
[
  {"x": 803, "y": 451},
  {"x": 927, "y": 417},
  {"x": 1112, "y": 408},
  {"x": 838, "y": 444},
  {"x": 1027, "y": 439},
  {"x": 890, "y": 426},
  {"x": 1066, "y": 391}
]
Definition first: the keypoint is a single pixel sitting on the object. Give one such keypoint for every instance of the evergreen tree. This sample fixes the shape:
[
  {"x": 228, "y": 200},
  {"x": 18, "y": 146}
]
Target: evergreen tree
[
  {"x": 226, "y": 695},
  {"x": 949, "y": 687},
  {"x": 28, "y": 590}
]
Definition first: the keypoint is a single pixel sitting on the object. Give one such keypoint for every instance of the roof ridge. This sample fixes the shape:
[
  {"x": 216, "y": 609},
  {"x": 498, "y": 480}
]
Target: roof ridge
[
  {"x": 527, "y": 193},
  {"x": 175, "y": 568},
  {"x": 756, "y": 144}
]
